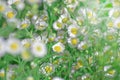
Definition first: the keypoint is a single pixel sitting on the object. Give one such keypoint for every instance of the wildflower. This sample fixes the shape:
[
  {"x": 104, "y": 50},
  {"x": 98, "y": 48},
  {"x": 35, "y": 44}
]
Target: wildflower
[
  {"x": 58, "y": 47},
  {"x": 114, "y": 13},
  {"x": 58, "y": 25},
  {"x": 83, "y": 45},
  {"x": 73, "y": 41},
  {"x": 2, "y": 47},
  {"x": 26, "y": 55},
  {"x": 24, "y": 24},
  {"x": 29, "y": 78},
  {"x": 47, "y": 68},
  {"x": 14, "y": 46},
  {"x": 38, "y": 49},
  {"x": 40, "y": 24},
  {"x": 57, "y": 78},
  {"x": 2, "y": 7},
  {"x": 33, "y": 64},
  {"x": 26, "y": 43},
  {"x": 116, "y": 3},
  {"x": 2, "y": 73},
  {"x": 10, "y": 14},
  {"x": 117, "y": 23},
  {"x": 73, "y": 30},
  {"x": 49, "y": 2}
]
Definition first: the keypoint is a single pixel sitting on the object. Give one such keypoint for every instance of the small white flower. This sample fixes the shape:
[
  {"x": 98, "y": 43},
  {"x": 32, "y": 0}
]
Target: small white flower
[
  {"x": 58, "y": 25},
  {"x": 26, "y": 55},
  {"x": 47, "y": 68},
  {"x": 57, "y": 78},
  {"x": 83, "y": 45},
  {"x": 2, "y": 47},
  {"x": 40, "y": 24},
  {"x": 73, "y": 41},
  {"x": 116, "y": 3},
  {"x": 24, "y": 24},
  {"x": 49, "y": 2},
  {"x": 26, "y": 43},
  {"x": 38, "y": 49},
  {"x": 10, "y": 13},
  {"x": 117, "y": 23},
  {"x": 2, "y": 73},
  {"x": 20, "y": 5},
  {"x": 13, "y": 46},
  {"x": 73, "y": 30},
  {"x": 2, "y": 7},
  {"x": 33, "y": 1},
  {"x": 29, "y": 78},
  {"x": 114, "y": 13},
  {"x": 58, "y": 47}
]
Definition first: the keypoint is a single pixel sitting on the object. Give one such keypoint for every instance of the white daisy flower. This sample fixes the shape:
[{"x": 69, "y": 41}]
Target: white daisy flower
[
  {"x": 47, "y": 68},
  {"x": 57, "y": 78},
  {"x": 116, "y": 3},
  {"x": 2, "y": 47},
  {"x": 58, "y": 47},
  {"x": 33, "y": 1},
  {"x": 88, "y": 13},
  {"x": 83, "y": 45},
  {"x": 29, "y": 78},
  {"x": 79, "y": 20},
  {"x": 24, "y": 24},
  {"x": 10, "y": 2},
  {"x": 38, "y": 49},
  {"x": 33, "y": 64},
  {"x": 73, "y": 41},
  {"x": 73, "y": 30},
  {"x": 20, "y": 5},
  {"x": 110, "y": 24},
  {"x": 64, "y": 18},
  {"x": 26, "y": 43},
  {"x": 114, "y": 13},
  {"x": 14, "y": 46},
  {"x": 2, "y": 7},
  {"x": 49, "y": 2},
  {"x": 58, "y": 25},
  {"x": 117, "y": 23},
  {"x": 26, "y": 55},
  {"x": 2, "y": 73},
  {"x": 41, "y": 25},
  {"x": 10, "y": 14}
]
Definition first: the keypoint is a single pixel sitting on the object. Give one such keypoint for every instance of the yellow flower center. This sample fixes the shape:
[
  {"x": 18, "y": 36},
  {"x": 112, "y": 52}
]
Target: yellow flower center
[
  {"x": 74, "y": 31},
  {"x": 59, "y": 25},
  {"x": 89, "y": 14},
  {"x": 110, "y": 24},
  {"x": 2, "y": 74},
  {"x": 2, "y": 8},
  {"x": 10, "y": 14},
  {"x": 84, "y": 46},
  {"x": 79, "y": 64},
  {"x": 111, "y": 72},
  {"x": 14, "y": 46},
  {"x": 48, "y": 69},
  {"x": 64, "y": 20},
  {"x": 38, "y": 48},
  {"x": 116, "y": 14},
  {"x": 110, "y": 37},
  {"x": 74, "y": 41},
  {"x": 25, "y": 55},
  {"x": 27, "y": 45},
  {"x": 23, "y": 26},
  {"x": 58, "y": 48},
  {"x": 118, "y": 25}
]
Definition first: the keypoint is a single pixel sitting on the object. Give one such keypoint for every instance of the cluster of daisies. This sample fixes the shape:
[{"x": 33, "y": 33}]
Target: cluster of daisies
[{"x": 59, "y": 39}]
